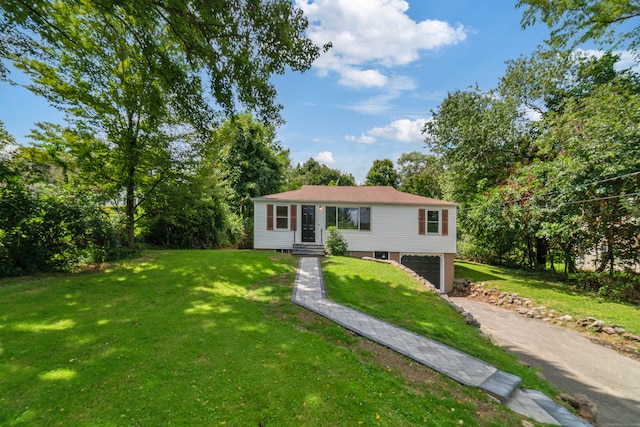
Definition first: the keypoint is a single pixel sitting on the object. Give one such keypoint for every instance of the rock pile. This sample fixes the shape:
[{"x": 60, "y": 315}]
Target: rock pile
[{"x": 461, "y": 287}]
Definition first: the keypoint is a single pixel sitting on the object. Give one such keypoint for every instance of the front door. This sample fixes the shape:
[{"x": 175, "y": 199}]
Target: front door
[{"x": 308, "y": 223}]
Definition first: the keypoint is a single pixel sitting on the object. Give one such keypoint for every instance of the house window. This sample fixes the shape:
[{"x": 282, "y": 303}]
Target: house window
[
  {"x": 365, "y": 219},
  {"x": 433, "y": 222},
  {"x": 348, "y": 218},
  {"x": 282, "y": 217},
  {"x": 381, "y": 255}
]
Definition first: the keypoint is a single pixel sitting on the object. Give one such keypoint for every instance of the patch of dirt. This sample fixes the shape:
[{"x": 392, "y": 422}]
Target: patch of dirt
[
  {"x": 419, "y": 378},
  {"x": 411, "y": 371}
]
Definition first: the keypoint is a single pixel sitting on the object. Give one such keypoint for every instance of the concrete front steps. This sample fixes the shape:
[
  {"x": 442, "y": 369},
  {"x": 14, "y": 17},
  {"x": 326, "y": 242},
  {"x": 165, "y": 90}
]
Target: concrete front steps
[{"x": 307, "y": 249}]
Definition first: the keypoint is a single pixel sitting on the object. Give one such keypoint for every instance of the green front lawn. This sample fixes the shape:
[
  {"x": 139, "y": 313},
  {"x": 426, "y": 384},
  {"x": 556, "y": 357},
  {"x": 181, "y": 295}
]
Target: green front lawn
[
  {"x": 554, "y": 295},
  {"x": 212, "y": 338}
]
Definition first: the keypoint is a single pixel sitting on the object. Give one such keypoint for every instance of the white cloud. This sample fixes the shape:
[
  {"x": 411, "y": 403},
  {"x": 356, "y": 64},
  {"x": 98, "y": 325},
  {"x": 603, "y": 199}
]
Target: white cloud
[
  {"x": 353, "y": 77},
  {"x": 325, "y": 157},
  {"x": 403, "y": 130},
  {"x": 366, "y": 139},
  {"x": 363, "y": 139},
  {"x": 531, "y": 114},
  {"x": 369, "y": 36},
  {"x": 381, "y": 103},
  {"x": 628, "y": 60}
]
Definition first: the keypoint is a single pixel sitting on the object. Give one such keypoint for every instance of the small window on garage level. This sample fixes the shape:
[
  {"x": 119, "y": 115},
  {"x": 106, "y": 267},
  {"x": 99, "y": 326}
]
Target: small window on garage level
[{"x": 381, "y": 255}]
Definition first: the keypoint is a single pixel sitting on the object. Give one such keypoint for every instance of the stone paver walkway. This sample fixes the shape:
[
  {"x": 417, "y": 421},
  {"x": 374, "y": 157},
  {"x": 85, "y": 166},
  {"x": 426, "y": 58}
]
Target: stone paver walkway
[{"x": 309, "y": 292}]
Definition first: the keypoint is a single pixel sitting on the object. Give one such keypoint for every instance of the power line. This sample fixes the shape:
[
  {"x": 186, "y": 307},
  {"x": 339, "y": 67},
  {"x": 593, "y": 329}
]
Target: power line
[{"x": 524, "y": 198}]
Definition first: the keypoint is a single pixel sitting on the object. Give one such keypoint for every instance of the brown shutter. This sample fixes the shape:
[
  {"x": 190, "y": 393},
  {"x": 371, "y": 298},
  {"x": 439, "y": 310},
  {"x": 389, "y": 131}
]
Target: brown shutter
[
  {"x": 294, "y": 217},
  {"x": 445, "y": 222},
  {"x": 421, "y": 222},
  {"x": 269, "y": 217}
]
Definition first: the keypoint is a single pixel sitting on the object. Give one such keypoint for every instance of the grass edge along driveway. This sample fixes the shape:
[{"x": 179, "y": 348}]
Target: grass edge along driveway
[
  {"x": 205, "y": 338},
  {"x": 553, "y": 295}
]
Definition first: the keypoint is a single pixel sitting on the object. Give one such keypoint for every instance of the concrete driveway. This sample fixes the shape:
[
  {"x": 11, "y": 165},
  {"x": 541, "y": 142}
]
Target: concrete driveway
[{"x": 568, "y": 360}]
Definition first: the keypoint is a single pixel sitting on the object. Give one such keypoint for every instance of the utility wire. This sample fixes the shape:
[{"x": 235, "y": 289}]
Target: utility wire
[{"x": 581, "y": 201}]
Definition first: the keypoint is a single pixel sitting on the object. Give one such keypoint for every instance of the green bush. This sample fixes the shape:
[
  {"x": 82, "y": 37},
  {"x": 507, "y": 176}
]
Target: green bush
[
  {"x": 43, "y": 230},
  {"x": 182, "y": 214},
  {"x": 622, "y": 286},
  {"x": 335, "y": 243}
]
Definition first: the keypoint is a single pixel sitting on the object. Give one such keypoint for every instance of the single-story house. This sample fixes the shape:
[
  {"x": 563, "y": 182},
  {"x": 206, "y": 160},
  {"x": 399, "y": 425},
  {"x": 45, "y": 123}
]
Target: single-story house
[{"x": 378, "y": 222}]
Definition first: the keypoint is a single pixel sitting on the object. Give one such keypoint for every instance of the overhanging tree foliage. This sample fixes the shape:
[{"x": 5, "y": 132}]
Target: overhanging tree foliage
[
  {"x": 577, "y": 21},
  {"x": 131, "y": 73}
]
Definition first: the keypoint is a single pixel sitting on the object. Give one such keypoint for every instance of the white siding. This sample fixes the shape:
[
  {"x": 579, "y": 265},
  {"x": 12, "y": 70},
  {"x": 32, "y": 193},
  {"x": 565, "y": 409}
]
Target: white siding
[
  {"x": 270, "y": 239},
  {"x": 394, "y": 228}
]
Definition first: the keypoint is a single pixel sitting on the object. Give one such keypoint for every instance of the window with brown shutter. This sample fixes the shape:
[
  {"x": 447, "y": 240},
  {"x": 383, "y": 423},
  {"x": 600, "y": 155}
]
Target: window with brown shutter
[
  {"x": 445, "y": 222},
  {"x": 421, "y": 222},
  {"x": 294, "y": 218},
  {"x": 269, "y": 217}
]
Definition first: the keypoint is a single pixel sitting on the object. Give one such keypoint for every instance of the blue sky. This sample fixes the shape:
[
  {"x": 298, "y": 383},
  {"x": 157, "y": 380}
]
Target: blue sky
[{"x": 392, "y": 62}]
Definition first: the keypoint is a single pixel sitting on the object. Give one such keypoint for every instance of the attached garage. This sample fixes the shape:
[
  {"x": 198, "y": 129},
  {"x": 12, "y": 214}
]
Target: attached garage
[{"x": 425, "y": 265}]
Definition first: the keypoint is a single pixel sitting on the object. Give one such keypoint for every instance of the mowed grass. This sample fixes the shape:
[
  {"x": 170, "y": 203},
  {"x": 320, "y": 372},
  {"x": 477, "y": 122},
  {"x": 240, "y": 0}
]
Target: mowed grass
[
  {"x": 206, "y": 338},
  {"x": 554, "y": 295},
  {"x": 387, "y": 292}
]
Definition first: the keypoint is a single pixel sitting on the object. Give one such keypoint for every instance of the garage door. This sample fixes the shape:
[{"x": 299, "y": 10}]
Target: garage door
[{"x": 426, "y": 266}]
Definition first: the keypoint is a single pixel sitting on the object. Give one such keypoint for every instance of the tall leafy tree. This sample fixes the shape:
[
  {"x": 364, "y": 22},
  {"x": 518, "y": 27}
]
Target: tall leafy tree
[
  {"x": 253, "y": 163},
  {"x": 382, "y": 172},
  {"x": 131, "y": 73},
  {"x": 587, "y": 142},
  {"x": 6, "y": 141},
  {"x": 237, "y": 44},
  {"x": 479, "y": 137},
  {"x": 313, "y": 173},
  {"x": 420, "y": 174}
]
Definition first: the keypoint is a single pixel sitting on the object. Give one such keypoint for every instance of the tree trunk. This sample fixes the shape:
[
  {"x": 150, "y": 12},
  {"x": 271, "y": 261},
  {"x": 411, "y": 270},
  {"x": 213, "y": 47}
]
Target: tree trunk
[
  {"x": 130, "y": 187},
  {"x": 542, "y": 249},
  {"x": 130, "y": 208}
]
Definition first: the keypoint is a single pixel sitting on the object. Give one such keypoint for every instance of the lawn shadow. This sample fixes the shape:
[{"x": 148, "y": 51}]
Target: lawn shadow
[
  {"x": 469, "y": 270},
  {"x": 612, "y": 409}
]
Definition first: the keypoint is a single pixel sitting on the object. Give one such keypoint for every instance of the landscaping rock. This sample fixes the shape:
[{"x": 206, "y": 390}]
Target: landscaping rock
[
  {"x": 470, "y": 320},
  {"x": 587, "y": 409},
  {"x": 631, "y": 337},
  {"x": 583, "y": 322},
  {"x": 565, "y": 318},
  {"x": 597, "y": 325}
]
